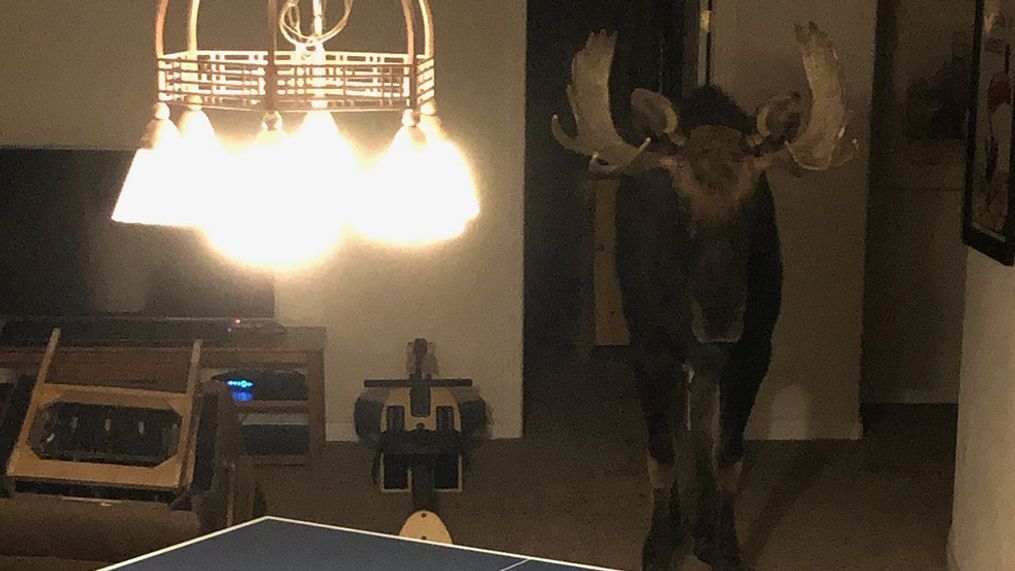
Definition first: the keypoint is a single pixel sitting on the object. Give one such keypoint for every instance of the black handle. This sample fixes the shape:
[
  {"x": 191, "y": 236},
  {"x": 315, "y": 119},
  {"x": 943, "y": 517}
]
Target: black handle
[{"x": 406, "y": 383}]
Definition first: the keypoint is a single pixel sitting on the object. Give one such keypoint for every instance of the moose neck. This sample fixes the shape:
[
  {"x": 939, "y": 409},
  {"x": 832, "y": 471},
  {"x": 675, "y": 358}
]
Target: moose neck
[{"x": 718, "y": 281}]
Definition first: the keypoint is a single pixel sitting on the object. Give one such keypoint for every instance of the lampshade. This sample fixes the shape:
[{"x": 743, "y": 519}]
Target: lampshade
[
  {"x": 276, "y": 211},
  {"x": 421, "y": 191},
  {"x": 329, "y": 168},
  {"x": 207, "y": 172},
  {"x": 151, "y": 193}
]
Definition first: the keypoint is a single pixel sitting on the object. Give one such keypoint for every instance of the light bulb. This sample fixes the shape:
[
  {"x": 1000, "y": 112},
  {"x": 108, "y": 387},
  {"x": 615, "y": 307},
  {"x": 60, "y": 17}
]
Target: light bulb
[
  {"x": 196, "y": 129},
  {"x": 329, "y": 165},
  {"x": 204, "y": 175},
  {"x": 421, "y": 190},
  {"x": 281, "y": 215},
  {"x": 151, "y": 193}
]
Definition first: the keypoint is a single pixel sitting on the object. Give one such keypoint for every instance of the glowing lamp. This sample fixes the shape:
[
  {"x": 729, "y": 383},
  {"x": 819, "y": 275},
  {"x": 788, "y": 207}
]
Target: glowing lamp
[
  {"x": 422, "y": 189},
  {"x": 283, "y": 202},
  {"x": 274, "y": 216},
  {"x": 150, "y": 193},
  {"x": 207, "y": 165}
]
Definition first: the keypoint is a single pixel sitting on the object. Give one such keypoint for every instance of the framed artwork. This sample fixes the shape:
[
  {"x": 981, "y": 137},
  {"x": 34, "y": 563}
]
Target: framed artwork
[{"x": 988, "y": 213}]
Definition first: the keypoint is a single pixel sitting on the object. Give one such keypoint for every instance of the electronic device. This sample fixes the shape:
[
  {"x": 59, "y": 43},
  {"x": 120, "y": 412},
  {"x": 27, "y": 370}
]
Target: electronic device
[{"x": 276, "y": 431}]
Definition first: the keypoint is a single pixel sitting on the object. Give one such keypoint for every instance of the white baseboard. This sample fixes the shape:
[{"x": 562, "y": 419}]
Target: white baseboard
[
  {"x": 800, "y": 429},
  {"x": 346, "y": 432},
  {"x": 780, "y": 430}
]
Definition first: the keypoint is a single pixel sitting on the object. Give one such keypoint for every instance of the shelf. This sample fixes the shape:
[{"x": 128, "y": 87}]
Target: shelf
[
  {"x": 281, "y": 460},
  {"x": 274, "y": 405}
]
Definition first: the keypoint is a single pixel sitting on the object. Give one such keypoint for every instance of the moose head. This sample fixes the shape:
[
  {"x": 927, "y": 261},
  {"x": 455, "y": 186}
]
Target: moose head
[{"x": 713, "y": 163}]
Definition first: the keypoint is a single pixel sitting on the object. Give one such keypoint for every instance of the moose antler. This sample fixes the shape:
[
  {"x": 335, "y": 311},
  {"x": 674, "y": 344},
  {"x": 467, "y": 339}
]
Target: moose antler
[
  {"x": 817, "y": 145},
  {"x": 810, "y": 139},
  {"x": 589, "y": 95}
]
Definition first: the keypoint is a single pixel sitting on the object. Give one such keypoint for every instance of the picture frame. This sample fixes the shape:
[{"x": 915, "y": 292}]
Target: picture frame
[{"x": 989, "y": 203}]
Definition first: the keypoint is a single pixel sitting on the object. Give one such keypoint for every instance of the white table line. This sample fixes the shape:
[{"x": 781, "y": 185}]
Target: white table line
[{"x": 513, "y": 565}]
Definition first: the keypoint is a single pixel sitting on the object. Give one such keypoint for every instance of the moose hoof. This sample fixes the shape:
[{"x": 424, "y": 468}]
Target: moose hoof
[
  {"x": 655, "y": 558},
  {"x": 707, "y": 552}
]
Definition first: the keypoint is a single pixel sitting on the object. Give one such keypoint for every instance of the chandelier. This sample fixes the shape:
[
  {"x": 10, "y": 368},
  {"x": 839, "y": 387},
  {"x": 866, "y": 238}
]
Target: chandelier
[{"x": 287, "y": 196}]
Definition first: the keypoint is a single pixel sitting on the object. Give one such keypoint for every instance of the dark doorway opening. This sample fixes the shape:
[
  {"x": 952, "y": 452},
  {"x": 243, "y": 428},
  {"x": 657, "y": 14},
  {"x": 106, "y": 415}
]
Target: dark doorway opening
[{"x": 657, "y": 49}]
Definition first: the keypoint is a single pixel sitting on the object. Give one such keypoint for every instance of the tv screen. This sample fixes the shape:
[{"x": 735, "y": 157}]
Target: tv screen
[{"x": 62, "y": 255}]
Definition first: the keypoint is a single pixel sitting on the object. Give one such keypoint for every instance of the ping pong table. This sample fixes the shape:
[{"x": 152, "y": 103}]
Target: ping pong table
[{"x": 271, "y": 543}]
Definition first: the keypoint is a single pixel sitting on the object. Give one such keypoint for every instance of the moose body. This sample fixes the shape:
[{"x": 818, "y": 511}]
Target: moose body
[
  {"x": 661, "y": 262},
  {"x": 699, "y": 264}
]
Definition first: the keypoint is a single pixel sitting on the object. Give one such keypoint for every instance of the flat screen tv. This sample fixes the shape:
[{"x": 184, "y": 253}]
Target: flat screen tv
[{"x": 61, "y": 255}]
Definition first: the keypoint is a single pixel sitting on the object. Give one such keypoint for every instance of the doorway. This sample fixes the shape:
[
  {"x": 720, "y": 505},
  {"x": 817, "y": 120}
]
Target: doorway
[{"x": 572, "y": 302}]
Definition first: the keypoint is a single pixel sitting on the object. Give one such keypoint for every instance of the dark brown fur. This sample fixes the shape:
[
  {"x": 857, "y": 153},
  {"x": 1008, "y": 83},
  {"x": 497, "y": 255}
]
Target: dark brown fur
[{"x": 695, "y": 269}]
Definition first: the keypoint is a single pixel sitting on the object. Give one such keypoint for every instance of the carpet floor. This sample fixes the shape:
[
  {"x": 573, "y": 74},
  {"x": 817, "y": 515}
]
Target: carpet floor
[{"x": 575, "y": 487}]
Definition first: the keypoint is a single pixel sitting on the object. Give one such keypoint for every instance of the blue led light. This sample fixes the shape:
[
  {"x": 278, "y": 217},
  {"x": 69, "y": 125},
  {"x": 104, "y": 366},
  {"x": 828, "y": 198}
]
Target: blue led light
[
  {"x": 240, "y": 384},
  {"x": 241, "y": 396}
]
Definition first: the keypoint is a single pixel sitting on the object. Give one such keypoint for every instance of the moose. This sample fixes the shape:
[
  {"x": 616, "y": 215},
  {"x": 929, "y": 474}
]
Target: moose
[{"x": 699, "y": 262}]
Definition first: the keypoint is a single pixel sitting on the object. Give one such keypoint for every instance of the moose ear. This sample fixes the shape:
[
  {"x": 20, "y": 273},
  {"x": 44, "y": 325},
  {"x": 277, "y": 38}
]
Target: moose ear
[
  {"x": 652, "y": 114},
  {"x": 779, "y": 119}
]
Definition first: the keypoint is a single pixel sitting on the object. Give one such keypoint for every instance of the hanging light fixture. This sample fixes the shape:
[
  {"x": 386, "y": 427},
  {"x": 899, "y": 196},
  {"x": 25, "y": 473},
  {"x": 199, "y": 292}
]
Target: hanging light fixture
[{"x": 297, "y": 192}]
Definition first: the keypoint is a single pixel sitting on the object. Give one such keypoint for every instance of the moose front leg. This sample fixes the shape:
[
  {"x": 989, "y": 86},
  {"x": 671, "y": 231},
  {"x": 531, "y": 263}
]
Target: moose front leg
[
  {"x": 715, "y": 535},
  {"x": 658, "y": 389}
]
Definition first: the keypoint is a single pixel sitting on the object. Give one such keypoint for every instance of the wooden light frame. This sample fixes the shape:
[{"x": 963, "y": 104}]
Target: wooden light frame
[{"x": 276, "y": 80}]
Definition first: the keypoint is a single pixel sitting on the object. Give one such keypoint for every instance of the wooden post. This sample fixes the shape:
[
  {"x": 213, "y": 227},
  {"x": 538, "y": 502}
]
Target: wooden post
[
  {"x": 410, "y": 35},
  {"x": 271, "y": 70}
]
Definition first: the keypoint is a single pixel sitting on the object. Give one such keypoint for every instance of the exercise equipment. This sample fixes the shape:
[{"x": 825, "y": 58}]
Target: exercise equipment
[{"x": 421, "y": 434}]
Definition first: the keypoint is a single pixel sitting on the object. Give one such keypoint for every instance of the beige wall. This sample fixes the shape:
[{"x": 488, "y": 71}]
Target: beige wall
[
  {"x": 983, "y": 521},
  {"x": 812, "y": 389},
  {"x": 80, "y": 73},
  {"x": 983, "y": 517}
]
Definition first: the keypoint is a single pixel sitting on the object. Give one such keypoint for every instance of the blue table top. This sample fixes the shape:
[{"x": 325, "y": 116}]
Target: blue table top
[{"x": 271, "y": 543}]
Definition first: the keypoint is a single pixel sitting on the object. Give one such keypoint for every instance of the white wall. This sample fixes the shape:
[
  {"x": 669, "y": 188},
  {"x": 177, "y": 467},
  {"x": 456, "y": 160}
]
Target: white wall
[
  {"x": 812, "y": 389},
  {"x": 983, "y": 520},
  {"x": 80, "y": 73}
]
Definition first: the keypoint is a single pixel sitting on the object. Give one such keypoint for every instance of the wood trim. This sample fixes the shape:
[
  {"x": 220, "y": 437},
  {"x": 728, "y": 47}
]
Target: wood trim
[
  {"x": 160, "y": 27},
  {"x": 188, "y": 429},
  {"x": 117, "y": 395},
  {"x": 216, "y": 358},
  {"x": 410, "y": 38},
  {"x": 428, "y": 32},
  {"x": 610, "y": 325},
  {"x": 316, "y": 394},
  {"x": 192, "y": 11},
  {"x": 271, "y": 69},
  {"x": 281, "y": 459},
  {"x": 47, "y": 358},
  {"x": 276, "y": 406},
  {"x": 33, "y": 404}
]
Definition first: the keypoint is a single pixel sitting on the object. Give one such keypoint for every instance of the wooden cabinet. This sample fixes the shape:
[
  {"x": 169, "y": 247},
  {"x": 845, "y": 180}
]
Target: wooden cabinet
[{"x": 611, "y": 328}]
